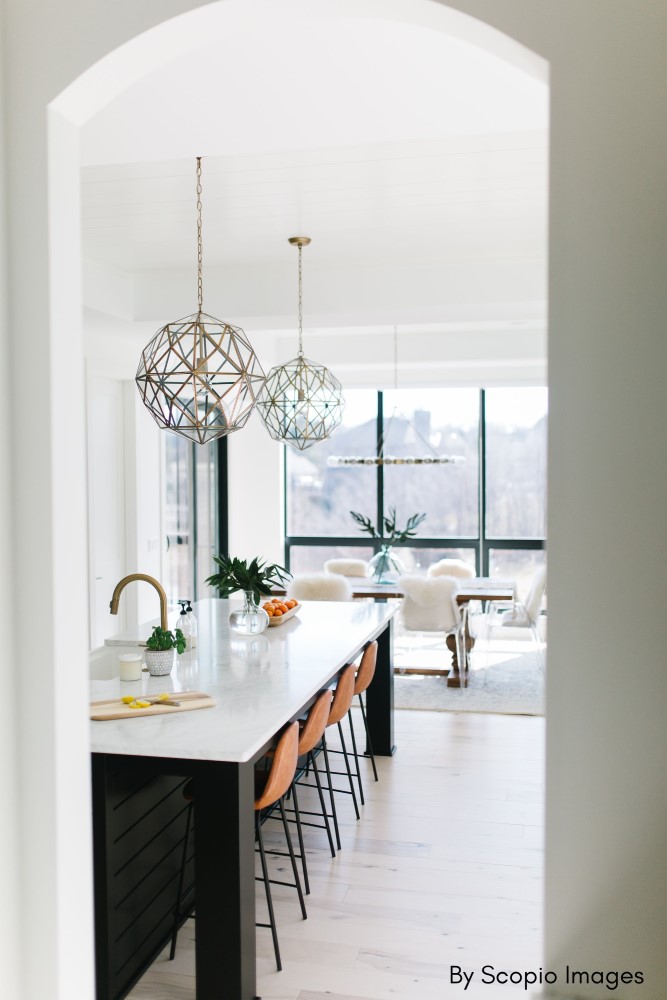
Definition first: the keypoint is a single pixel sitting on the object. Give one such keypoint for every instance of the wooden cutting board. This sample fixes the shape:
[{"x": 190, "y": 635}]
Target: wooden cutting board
[{"x": 114, "y": 708}]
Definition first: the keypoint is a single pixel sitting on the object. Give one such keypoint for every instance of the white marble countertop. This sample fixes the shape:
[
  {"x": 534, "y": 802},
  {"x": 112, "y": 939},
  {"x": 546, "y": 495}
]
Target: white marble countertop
[{"x": 259, "y": 682}]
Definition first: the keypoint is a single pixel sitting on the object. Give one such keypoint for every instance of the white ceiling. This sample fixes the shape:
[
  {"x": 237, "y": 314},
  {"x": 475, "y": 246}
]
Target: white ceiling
[{"x": 403, "y": 152}]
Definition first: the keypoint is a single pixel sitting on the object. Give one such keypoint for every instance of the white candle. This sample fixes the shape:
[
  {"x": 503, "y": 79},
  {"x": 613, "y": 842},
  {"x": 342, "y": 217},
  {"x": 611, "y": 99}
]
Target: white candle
[{"x": 129, "y": 665}]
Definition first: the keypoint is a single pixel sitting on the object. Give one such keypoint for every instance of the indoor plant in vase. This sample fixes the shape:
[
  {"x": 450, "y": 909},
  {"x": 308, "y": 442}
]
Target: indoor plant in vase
[
  {"x": 160, "y": 648},
  {"x": 385, "y": 566},
  {"x": 254, "y": 579}
]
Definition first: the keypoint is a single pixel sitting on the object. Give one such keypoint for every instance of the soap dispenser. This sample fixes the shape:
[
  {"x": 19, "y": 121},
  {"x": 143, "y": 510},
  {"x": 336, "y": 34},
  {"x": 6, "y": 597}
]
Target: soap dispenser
[
  {"x": 193, "y": 624},
  {"x": 185, "y": 625}
]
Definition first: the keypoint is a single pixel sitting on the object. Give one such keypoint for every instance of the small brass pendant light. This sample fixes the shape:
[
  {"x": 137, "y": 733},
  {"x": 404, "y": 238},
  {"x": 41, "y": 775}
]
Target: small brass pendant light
[{"x": 301, "y": 402}]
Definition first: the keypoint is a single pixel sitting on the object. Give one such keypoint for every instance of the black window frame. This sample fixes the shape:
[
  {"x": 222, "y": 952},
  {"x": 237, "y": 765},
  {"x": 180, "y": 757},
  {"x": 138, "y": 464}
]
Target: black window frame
[{"x": 482, "y": 544}]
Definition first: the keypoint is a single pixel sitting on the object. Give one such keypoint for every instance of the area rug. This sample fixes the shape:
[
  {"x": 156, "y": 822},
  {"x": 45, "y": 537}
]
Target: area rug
[{"x": 502, "y": 681}]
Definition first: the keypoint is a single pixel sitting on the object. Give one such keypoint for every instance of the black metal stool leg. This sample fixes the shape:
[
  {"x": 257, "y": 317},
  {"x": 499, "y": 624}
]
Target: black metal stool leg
[
  {"x": 356, "y": 759},
  {"x": 325, "y": 815},
  {"x": 267, "y": 887},
  {"x": 369, "y": 746},
  {"x": 349, "y": 772},
  {"x": 181, "y": 879},
  {"x": 295, "y": 870},
  {"x": 302, "y": 849},
  {"x": 331, "y": 792}
]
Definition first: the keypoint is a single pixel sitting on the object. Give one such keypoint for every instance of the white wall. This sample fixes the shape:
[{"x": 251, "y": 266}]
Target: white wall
[
  {"x": 606, "y": 790},
  {"x": 10, "y": 833}
]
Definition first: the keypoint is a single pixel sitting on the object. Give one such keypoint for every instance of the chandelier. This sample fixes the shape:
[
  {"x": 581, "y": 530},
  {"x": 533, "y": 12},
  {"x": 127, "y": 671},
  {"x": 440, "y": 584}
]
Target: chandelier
[
  {"x": 395, "y": 460},
  {"x": 431, "y": 457},
  {"x": 301, "y": 402},
  {"x": 199, "y": 376}
]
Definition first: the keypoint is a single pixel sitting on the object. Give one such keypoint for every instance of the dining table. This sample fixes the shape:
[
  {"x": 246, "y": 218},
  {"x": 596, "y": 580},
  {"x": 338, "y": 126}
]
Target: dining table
[
  {"x": 140, "y": 766},
  {"x": 479, "y": 588}
]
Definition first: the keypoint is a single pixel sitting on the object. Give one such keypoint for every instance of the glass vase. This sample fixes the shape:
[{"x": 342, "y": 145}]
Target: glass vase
[
  {"x": 249, "y": 619},
  {"x": 385, "y": 566}
]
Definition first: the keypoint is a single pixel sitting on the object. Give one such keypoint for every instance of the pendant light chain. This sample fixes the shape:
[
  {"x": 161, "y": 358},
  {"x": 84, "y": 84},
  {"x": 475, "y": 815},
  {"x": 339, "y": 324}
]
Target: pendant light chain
[
  {"x": 200, "y": 283},
  {"x": 300, "y": 248}
]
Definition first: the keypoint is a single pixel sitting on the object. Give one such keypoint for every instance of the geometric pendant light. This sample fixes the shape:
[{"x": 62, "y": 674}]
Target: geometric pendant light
[
  {"x": 199, "y": 376},
  {"x": 301, "y": 402}
]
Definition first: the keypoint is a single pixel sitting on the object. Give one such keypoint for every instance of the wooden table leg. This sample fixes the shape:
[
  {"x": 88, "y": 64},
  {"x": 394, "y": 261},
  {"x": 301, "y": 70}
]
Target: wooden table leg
[
  {"x": 458, "y": 675},
  {"x": 225, "y": 881}
]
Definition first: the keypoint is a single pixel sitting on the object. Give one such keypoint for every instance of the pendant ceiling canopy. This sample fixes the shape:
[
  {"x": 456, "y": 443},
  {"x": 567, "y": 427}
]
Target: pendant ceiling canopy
[
  {"x": 199, "y": 376},
  {"x": 302, "y": 401}
]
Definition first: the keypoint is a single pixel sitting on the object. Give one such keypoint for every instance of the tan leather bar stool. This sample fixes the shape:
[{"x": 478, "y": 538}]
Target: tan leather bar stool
[
  {"x": 311, "y": 730},
  {"x": 340, "y": 706},
  {"x": 270, "y": 789},
  {"x": 365, "y": 675}
]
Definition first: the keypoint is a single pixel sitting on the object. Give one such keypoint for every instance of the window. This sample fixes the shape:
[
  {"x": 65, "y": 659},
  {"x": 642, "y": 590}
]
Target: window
[
  {"x": 418, "y": 424},
  {"x": 190, "y": 515},
  {"x": 516, "y": 462},
  {"x": 490, "y": 511},
  {"x": 319, "y": 497}
]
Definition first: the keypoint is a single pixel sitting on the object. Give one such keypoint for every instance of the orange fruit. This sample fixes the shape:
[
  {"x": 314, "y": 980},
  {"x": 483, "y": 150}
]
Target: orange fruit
[
  {"x": 290, "y": 604},
  {"x": 269, "y": 610},
  {"x": 282, "y": 607},
  {"x": 276, "y": 600},
  {"x": 277, "y": 613}
]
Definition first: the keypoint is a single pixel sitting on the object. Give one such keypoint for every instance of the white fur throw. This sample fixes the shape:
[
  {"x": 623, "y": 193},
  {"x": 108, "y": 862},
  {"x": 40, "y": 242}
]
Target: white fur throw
[
  {"x": 451, "y": 567},
  {"x": 347, "y": 567},
  {"x": 320, "y": 587},
  {"x": 429, "y": 604}
]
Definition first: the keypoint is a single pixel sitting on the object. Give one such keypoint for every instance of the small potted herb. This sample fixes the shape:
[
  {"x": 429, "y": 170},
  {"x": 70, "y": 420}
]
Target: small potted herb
[
  {"x": 160, "y": 648},
  {"x": 253, "y": 578}
]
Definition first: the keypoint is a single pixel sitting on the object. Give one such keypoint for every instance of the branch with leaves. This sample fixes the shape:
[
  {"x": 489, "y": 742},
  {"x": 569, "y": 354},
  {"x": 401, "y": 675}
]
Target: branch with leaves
[
  {"x": 237, "y": 574},
  {"x": 391, "y": 535}
]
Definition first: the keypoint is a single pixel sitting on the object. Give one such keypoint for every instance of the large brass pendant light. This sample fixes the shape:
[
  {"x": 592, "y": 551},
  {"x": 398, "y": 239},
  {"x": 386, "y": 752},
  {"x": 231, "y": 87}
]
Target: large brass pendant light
[
  {"x": 199, "y": 376},
  {"x": 301, "y": 402}
]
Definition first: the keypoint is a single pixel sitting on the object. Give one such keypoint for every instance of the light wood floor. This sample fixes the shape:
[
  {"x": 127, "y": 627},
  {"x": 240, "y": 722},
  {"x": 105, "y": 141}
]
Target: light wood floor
[{"x": 444, "y": 868}]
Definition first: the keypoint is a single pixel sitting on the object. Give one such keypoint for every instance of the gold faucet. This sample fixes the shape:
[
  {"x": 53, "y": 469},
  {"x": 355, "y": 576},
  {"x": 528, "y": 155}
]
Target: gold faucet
[{"x": 153, "y": 582}]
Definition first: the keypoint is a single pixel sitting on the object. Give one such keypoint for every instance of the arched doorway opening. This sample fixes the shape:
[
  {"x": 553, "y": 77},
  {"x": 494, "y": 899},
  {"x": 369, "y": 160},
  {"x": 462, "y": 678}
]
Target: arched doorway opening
[{"x": 67, "y": 115}]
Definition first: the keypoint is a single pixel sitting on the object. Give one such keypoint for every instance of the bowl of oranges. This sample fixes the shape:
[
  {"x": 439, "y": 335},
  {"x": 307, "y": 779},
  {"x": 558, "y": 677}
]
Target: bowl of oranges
[{"x": 280, "y": 610}]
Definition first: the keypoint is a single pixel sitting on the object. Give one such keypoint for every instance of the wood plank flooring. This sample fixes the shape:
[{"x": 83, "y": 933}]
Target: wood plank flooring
[{"x": 444, "y": 869}]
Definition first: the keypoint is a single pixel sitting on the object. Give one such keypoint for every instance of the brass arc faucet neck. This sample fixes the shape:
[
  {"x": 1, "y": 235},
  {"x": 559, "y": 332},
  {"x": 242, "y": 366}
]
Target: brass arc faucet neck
[{"x": 120, "y": 586}]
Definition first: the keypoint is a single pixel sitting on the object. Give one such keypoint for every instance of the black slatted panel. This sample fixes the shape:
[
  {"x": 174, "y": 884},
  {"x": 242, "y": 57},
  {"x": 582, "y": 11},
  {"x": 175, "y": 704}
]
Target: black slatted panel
[{"x": 140, "y": 825}]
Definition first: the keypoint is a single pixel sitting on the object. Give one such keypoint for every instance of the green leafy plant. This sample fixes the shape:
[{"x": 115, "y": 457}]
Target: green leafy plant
[
  {"x": 391, "y": 534},
  {"x": 238, "y": 574},
  {"x": 163, "y": 639}
]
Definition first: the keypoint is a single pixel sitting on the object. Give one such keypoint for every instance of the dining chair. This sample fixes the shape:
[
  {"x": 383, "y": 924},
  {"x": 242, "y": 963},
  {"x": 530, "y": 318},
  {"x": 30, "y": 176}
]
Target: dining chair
[
  {"x": 347, "y": 567},
  {"x": 319, "y": 587},
  {"x": 451, "y": 567},
  {"x": 429, "y": 605},
  {"x": 270, "y": 789},
  {"x": 503, "y": 617}
]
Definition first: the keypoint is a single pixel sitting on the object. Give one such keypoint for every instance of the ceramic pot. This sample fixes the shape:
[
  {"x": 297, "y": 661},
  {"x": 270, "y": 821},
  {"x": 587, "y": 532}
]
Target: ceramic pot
[{"x": 159, "y": 661}]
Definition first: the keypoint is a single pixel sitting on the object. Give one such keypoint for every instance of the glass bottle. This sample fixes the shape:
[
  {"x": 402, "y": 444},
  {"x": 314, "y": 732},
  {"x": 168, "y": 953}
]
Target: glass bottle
[
  {"x": 184, "y": 624},
  {"x": 192, "y": 621}
]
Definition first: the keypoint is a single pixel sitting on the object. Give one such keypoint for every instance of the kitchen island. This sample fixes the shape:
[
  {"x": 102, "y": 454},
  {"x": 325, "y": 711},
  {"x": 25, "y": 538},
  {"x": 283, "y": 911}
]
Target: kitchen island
[{"x": 140, "y": 765}]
